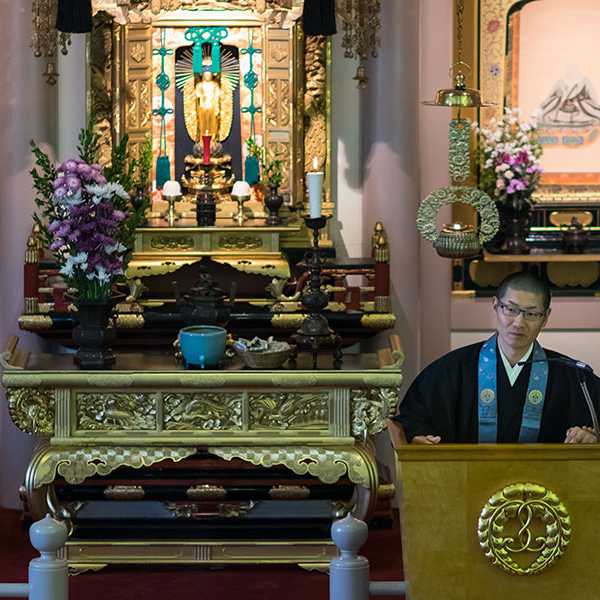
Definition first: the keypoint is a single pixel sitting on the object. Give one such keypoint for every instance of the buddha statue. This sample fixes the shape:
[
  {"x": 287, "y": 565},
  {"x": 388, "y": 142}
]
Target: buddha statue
[
  {"x": 209, "y": 99},
  {"x": 208, "y": 111}
]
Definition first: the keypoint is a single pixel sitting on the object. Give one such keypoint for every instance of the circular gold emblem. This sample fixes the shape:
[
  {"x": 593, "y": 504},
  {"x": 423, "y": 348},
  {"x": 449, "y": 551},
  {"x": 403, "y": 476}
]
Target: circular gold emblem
[
  {"x": 535, "y": 397},
  {"x": 524, "y": 528},
  {"x": 487, "y": 396}
]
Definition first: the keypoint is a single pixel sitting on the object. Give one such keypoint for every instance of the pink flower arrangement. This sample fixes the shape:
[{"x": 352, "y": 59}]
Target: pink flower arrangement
[{"x": 509, "y": 156}]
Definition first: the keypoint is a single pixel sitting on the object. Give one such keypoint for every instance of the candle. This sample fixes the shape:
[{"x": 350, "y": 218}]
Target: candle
[
  {"x": 206, "y": 141},
  {"x": 171, "y": 189},
  {"x": 241, "y": 188},
  {"x": 314, "y": 183}
]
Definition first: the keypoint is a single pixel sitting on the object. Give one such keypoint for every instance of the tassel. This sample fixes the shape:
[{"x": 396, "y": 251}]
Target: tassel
[
  {"x": 318, "y": 17},
  {"x": 74, "y": 16},
  {"x": 163, "y": 170},
  {"x": 252, "y": 170},
  {"x": 197, "y": 58}
]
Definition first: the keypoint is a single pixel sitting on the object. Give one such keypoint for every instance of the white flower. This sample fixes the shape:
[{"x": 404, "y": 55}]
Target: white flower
[
  {"x": 500, "y": 185},
  {"x": 69, "y": 199},
  {"x": 509, "y": 174},
  {"x": 67, "y": 268},
  {"x": 80, "y": 258},
  {"x": 108, "y": 190},
  {"x": 119, "y": 248},
  {"x": 102, "y": 275},
  {"x": 78, "y": 261}
]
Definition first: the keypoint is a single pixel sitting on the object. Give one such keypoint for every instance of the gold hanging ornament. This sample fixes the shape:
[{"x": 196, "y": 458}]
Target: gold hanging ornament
[
  {"x": 458, "y": 240},
  {"x": 46, "y": 39},
  {"x": 361, "y": 24}
]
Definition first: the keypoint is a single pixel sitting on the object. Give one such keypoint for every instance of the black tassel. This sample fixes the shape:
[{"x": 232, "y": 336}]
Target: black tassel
[
  {"x": 74, "y": 16},
  {"x": 318, "y": 17}
]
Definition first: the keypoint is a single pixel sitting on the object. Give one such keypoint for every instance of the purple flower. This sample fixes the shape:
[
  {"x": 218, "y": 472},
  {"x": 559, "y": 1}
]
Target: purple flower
[
  {"x": 60, "y": 192},
  {"x": 69, "y": 166},
  {"x": 85, "y": 171},
  {"x": 58, "y": 182},
  {"x": 118, "y": 215},
  {"x": 73, "y": 183},
  {"x": 53, "y": 226}
]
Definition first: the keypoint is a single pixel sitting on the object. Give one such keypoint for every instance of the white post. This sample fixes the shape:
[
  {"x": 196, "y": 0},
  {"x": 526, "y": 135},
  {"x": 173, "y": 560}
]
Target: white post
[
  {"x": 48, "y": 576},
  {"x": 349, "y": 573}
]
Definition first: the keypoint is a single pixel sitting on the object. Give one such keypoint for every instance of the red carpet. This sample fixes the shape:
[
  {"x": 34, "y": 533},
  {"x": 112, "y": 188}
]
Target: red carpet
[{"x": 193, "y": 583}]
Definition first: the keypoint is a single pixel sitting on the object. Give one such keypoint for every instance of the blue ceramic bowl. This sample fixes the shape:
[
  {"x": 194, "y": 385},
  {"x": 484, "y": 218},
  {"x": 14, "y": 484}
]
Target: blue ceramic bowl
[{"x": 202, "y": 345}]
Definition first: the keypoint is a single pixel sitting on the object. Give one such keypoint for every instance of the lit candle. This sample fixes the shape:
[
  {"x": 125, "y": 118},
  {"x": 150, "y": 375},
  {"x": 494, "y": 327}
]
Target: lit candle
[
  {"x": 314, "y": 183},
  {"x": 206, "y": 141}
]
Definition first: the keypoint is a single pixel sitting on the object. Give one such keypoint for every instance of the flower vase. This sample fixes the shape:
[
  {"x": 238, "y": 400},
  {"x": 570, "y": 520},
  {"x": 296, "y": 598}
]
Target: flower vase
[
  {"x": 273, "y": 202},
  {"x": 94, "y": 333},
  {"x": 514, "y": 223}
]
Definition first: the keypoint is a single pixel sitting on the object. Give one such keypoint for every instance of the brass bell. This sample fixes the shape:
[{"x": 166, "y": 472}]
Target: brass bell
[
  {"x": 51, "y": 74},
  {"x": 361, "y": 77}
]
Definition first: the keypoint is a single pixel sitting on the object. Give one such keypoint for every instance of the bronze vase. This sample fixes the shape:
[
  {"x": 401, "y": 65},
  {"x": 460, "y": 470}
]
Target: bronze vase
[
  {"x": 273, "y": 202},
  {"x": 514, "y": 223},
  {"x": 94, "y": 333}
]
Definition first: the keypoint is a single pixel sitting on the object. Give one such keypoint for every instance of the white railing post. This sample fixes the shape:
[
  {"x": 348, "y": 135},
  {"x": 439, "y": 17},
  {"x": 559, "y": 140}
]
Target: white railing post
[
  {"x": 48, "y": 575},
  {"x": 349, "y": 573}
]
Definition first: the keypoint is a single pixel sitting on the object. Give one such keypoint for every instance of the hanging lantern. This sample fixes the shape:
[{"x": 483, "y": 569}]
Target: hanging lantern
[{"x": 458, "y": 240}]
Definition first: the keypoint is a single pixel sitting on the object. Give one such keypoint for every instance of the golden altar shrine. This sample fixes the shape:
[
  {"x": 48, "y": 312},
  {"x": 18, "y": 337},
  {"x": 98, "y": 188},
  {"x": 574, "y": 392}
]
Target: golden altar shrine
[
  {"x": 515, "y": 521},
  {"x": 275, "y": 94},
  {"x": 149, "y": 411}
]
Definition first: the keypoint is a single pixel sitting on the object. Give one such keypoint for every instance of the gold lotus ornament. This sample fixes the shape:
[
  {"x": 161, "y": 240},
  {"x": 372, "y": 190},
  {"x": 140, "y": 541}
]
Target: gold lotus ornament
[
  {"x": 524, "y": 528},
  {"x": 458, "y": 240}
]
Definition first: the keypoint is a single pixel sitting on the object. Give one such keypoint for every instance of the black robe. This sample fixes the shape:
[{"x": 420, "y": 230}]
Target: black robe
[{"x": 443, "y": 400}]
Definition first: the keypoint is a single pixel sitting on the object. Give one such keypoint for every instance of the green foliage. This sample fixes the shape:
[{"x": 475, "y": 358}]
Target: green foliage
[
  {"x": 43, "y": 174},
  {"x": 254, "y": 149},
  {"x": 273, "y": 172},
  {"x": 122, "y": 167},
  {"x": 88, "y": 143},
  {"x": 144, "y": 166}
]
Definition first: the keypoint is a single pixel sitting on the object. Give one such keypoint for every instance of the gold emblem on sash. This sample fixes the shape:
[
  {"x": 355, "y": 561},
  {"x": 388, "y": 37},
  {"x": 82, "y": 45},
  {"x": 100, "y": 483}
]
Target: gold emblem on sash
[
  {"x": 487, "y": 396},
  {"x": 535, "y": 397}
]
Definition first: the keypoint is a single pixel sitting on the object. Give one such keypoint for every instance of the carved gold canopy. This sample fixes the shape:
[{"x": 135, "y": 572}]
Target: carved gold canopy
[{"x": 290, "y": 102}]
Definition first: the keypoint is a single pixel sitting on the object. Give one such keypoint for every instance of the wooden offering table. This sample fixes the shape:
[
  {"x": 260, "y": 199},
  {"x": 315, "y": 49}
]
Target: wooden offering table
[
  {"x": 150, "y": 412},
  {"x": 500, "y": 521}
]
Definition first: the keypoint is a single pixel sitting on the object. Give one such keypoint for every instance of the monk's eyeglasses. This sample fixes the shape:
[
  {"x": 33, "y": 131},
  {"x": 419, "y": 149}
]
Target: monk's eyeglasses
[{"x": 514, "y": 311}]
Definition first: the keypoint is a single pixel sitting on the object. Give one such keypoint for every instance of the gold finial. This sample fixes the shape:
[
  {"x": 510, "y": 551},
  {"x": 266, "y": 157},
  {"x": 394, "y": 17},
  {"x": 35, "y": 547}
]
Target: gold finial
[{"x": 381, "y": 252}]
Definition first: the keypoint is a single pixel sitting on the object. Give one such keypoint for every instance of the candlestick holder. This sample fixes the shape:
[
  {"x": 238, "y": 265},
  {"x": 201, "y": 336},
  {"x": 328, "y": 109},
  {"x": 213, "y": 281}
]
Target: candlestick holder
[
  {"x": 314, "y": 333},
  {"x": 171, "y": 214},
  {"x": 206, "y": 205}
]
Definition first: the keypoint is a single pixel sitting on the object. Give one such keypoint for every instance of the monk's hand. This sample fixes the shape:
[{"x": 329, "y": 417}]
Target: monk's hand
[
  {"x": 426, "y": 439},
  {"x": 581, "y": 435}
]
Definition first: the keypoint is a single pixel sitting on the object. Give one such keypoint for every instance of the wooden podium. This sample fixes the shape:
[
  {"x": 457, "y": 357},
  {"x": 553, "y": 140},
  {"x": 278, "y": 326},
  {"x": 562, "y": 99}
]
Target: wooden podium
[{"x": 533, "y": 509}]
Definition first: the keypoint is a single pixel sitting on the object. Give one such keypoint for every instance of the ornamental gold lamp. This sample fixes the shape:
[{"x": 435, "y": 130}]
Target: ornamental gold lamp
[{"x": 457, "y": 240}]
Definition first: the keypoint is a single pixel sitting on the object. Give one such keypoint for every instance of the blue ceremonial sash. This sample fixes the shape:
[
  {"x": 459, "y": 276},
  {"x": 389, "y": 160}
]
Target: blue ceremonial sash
[{"x": 487, "y": 396}]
